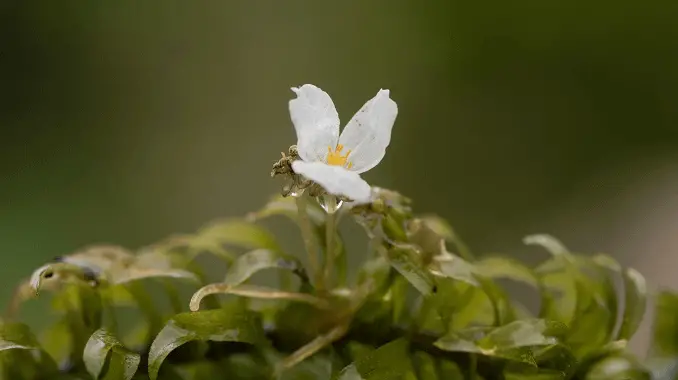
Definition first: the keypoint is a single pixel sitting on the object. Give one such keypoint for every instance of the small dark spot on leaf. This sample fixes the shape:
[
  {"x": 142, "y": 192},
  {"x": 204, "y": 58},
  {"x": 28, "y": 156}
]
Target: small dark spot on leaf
[
  {"x": 48, "y": 274},
  {"x": 89, "y": 274},
  {"x": 434, "y": 289}
]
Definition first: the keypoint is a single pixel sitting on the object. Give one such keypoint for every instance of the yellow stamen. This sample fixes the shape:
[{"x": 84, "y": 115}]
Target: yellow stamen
[{"x": 335, "y": 157}]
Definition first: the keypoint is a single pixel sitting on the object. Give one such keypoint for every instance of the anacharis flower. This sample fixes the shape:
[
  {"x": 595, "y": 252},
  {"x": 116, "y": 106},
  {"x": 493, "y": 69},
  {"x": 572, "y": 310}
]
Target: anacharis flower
[{"x": 333, "y": 161}]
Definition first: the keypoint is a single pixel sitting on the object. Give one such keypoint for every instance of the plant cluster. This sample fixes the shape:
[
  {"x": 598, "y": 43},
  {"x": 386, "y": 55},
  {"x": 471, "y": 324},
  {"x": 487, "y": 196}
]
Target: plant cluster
[{"x": 420, "y": 306}]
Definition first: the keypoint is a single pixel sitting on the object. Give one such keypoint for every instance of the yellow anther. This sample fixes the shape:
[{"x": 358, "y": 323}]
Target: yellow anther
[{"x": 335, "y": 157}]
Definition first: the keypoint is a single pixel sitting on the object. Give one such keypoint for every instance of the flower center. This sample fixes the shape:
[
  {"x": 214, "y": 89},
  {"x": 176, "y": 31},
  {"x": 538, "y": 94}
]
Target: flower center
[{"x": 335, "y": 157}]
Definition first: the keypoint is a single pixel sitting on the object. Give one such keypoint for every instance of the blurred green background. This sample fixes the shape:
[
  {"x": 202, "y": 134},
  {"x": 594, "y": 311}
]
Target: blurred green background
[{"x": 126, "y": 121}]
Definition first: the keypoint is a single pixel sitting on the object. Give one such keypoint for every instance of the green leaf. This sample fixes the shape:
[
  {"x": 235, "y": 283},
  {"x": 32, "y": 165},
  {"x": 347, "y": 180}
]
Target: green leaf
[
  {"x": 449, "y": 370},
  {"x": 123, "y": 363},
  {"x": 153, "y": 317},
  {"x": 406, "y": 263},
  {"x": 57, "y": 341},
  {"x": 211, "y": 325},
  {"x": 390, "y": 361},
  {"x": 588, "y": 302},
  {"x": 287, "y": 206},
  {"x": 597, "y": 307},
  {"x": 635, "y": 294},
  {"x": 537, "y": 375},
  {"x": 182, "y": 249},
  {"x": 17, "y": 336},
  {"x": 551, "y": 244},
  {"x": 445, "y": 230},
  {"x": 151, "y": 264},
  {"x": 251, "y": 262},
  {"x": 239, "y": 233},
  {"x": 454, "y": 267},
  {"x": 504, "y": 267},
  {"x": 619, "y": 367},
  {"x": 453, "y": 306},
  {"x": 425, "y": 366},
  {"x": 316, "y": 367},
  {"x": 515, "y": 341},
  {"x": 377, "y": 270},
  {"x": 21, "y": 355},
  {"x": 82, "y": 309},
  {"x": 665, "y": 326}
]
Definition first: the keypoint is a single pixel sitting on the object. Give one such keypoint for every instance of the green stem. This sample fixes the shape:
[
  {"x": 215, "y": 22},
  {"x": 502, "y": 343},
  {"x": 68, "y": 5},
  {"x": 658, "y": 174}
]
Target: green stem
[
  {"x": 330, "y": 227},
  {"x": 473, "y": 367},
  {"x": 309, "y": 241}
]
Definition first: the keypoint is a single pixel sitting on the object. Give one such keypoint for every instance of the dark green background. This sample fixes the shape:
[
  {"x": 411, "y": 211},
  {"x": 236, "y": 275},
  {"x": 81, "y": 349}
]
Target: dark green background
[{"x": 126, "y": 121}]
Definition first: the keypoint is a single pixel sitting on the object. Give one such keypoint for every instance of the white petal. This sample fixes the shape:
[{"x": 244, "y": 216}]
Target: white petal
[
  {"x": 335, "y": 179},
  {"x": 373, "y": 197},
  {"x": 369, "y": 132},
  {"x": 316, "y": 121}
]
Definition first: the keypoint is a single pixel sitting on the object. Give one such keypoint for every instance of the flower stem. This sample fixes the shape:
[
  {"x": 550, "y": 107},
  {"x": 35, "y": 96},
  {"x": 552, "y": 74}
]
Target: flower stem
[
  {"x": 309, "y": 241},
  {"x": 330, "y": 226}
]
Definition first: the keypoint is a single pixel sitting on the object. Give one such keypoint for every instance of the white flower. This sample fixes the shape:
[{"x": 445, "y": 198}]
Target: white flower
[{"x": 335, "y": 162}]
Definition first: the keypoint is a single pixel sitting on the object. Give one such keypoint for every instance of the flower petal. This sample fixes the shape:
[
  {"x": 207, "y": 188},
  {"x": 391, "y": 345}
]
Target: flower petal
[
  {"x": 369, "y": 132},
  {"x": 316, "y": 121},
  {"x": 335, "y": 179}
]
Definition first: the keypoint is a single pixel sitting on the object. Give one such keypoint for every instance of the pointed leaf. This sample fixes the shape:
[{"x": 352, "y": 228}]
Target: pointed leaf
[
  {"x": 514, "y": 341},
  {"x": 454, "y": 267},
  {"x": 453, "y": 306},
  {"x": 504, "y": 267},
  {"x": 444, "y": 229},
  {"x": 182, "y": 249},
  {"x": 123, "y": 363},
  {"x": 17, "y": 336},
  {"x": 597, "y": 306},
  {"x": 551, "y": 244},
  {"x": 216, "y": 325},
  {"x": 635, "y": 295},
  {"x": 390, "y": 361},
  {"x": 588, "y": 302},
  {"x": 287, "y": 206},
  {"x": 406, "y": 263},
  {"x": 251, "y": 262}
]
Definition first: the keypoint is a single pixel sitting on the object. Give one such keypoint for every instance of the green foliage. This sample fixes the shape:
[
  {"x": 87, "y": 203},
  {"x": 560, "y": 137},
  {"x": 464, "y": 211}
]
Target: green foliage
[{"x": 421, "y": 306}]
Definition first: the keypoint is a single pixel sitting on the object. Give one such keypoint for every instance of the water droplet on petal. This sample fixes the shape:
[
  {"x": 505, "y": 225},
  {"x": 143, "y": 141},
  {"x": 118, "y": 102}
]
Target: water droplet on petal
[
  {"x": 290, "y": 190},
  {"x": 329, "y": 203}
]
